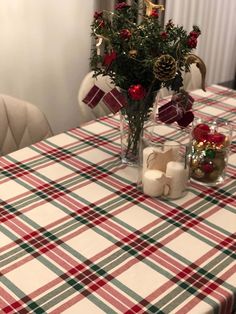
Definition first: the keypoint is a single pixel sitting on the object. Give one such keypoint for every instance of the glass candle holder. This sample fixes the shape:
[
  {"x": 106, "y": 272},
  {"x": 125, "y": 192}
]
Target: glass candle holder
[
  {"x": 163, "y": 161},
  {"x": 211, "y": 140}
]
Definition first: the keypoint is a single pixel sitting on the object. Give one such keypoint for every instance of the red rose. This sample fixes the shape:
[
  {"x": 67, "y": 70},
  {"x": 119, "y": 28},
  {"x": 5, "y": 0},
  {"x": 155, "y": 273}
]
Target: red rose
[
  {"x": 154, "y": 13},
  {"x": 164, "y": 35},
  {"x": 97, "y": 15},
  {"x": 125, "y": 34},
  {"x": 194, "y": 34},
  {"x": 109, "y": 58},
  {"x": 137, "y": 92},
  {"x": 192, "y": 42},
  {"x": 122, "y": 5}
]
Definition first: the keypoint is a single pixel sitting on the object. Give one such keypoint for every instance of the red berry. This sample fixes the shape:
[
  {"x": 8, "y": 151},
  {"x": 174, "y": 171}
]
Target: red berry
[
  {"x": 137, "y": 92},
  {"x": 154, "y": 13},
  {"x": 201, "y": 132}
]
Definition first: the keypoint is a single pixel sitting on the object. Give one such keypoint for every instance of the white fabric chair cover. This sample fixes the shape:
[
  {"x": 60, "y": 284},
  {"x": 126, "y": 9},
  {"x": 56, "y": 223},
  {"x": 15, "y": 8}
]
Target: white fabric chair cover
[
  {"x": 21, "y": 124},
  {"x": 85, "y": 112},
  {"x": 192, "y": 80}
]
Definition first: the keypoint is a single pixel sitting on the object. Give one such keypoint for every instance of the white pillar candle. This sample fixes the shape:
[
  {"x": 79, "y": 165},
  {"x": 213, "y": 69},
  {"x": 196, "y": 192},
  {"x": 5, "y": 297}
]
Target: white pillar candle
[
  {"x": 175, "y": 147},
  {"x": 153, "y": 183},
  {"x": 179, "y": 178},
  {"x": 147, "y": 153},
  {"x": 156, "y": 158}
]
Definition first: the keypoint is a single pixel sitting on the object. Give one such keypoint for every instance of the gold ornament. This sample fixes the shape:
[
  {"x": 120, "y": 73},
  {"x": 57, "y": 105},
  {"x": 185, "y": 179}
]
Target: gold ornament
[
  {"x": 198, "y": 173},
  {"x": 151, "y": 6},
  {"x": 165, "y": 68},
  {"x": 194, "y": 162},
  {"x": 200, "y": 146}
]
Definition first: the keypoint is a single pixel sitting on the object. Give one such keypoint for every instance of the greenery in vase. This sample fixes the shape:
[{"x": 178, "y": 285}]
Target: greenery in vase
[{"x": 140, "y": 55}]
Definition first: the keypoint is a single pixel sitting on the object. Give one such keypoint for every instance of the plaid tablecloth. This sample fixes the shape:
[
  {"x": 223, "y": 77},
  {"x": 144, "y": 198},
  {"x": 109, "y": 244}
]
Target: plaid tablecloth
[{"x": 77, "y": 237}]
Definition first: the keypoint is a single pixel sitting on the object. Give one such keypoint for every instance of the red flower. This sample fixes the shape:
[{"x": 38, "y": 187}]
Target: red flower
[
  {"x": 97, "y": 15},
  {"x": 137, "y": 92},
  {"x": 192, "y": 42},
  {"x": 154, "y": 13},
  {"x": 109, "y": 58},
  {"x": 164, "y": 35},
  {"x": 122, "y": 5},
  {"x": 125, "y": 34},
  {"x": 194, "y": 34}
]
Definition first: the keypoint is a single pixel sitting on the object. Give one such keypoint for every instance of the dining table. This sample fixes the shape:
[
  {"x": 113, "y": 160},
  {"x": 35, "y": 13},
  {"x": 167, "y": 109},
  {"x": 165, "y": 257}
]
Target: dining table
[{"x": 78, "y": 237}]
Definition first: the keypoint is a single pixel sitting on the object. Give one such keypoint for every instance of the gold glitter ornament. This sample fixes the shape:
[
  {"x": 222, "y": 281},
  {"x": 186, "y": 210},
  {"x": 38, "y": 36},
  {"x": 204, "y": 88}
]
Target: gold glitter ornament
[
  {"x": 200, "y": 146},
  {"x": 194, "y": 163},
  {"x": 198, "y": 173}
]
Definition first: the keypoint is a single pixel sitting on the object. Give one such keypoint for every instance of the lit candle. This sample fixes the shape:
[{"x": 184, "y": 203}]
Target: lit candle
[
  {"x": 179, "y": 177},
  {"x": 153, "y": 182}
]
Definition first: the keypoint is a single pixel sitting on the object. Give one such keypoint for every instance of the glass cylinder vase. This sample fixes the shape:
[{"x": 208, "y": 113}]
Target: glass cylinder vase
[
  {"x": 164, "y": 161},
  {"x": 210, "y": 150},
  {"x": 133, "y": 117}
]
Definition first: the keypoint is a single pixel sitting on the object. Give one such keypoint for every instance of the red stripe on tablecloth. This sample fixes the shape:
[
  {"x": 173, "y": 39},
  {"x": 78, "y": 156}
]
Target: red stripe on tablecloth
[
  {"x": 18, "y": 227},
  {"x": 223, "y": 298},
  {"x": 6, "y": 299}
]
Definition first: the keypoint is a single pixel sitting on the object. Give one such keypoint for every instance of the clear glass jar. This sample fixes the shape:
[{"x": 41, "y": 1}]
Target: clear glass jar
[
  {"x": 210, "y": 147},
  {"x": 163, "y": 161}
]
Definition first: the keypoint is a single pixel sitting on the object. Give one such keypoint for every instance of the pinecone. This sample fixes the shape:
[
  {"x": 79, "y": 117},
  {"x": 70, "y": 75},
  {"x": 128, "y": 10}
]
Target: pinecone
[{"x": 165, "y": 68}]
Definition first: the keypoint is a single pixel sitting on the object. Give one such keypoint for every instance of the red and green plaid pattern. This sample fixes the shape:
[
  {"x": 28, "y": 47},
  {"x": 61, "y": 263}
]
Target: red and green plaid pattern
[{"x": 77, "y": 237}]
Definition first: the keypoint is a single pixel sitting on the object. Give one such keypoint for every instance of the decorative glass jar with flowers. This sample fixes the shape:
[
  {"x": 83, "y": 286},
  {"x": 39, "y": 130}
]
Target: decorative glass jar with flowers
[{"x": 140, "y": 55}]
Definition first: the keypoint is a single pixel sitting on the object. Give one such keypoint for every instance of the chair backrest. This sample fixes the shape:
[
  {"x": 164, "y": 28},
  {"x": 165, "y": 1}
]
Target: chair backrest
[
  {"x": 21, "y": 124},
  {"x": 191, "y": 80},
  {"x": 85, "y": 112}
]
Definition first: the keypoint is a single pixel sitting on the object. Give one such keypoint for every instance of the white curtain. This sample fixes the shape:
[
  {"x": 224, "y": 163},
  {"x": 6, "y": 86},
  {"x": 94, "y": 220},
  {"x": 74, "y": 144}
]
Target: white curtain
[{"x": 217, "y": 44}]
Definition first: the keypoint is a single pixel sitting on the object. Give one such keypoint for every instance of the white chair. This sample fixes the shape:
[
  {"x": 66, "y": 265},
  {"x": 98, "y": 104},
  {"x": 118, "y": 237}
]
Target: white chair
[
  {"x": 85, "y": 112},
  {"x": 21, "y": 124},
  {"x": 192, "y": 80}
]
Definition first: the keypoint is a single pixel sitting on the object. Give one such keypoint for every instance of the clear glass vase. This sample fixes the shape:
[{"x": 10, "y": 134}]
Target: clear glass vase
[
  {"x": 164, "y": 161},
  {"x": 133, "y": 117},
  {"x": 210, "y": 148}
]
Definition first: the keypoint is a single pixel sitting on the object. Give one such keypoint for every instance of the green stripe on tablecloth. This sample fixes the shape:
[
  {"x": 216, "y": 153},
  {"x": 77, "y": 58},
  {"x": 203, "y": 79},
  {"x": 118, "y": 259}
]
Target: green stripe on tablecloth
[{"x": 33, "y": 304}]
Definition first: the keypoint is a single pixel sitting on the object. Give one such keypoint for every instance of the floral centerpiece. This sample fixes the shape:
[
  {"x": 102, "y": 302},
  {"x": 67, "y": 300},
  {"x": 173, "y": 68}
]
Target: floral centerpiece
[{"x": 140, "y": 55}]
